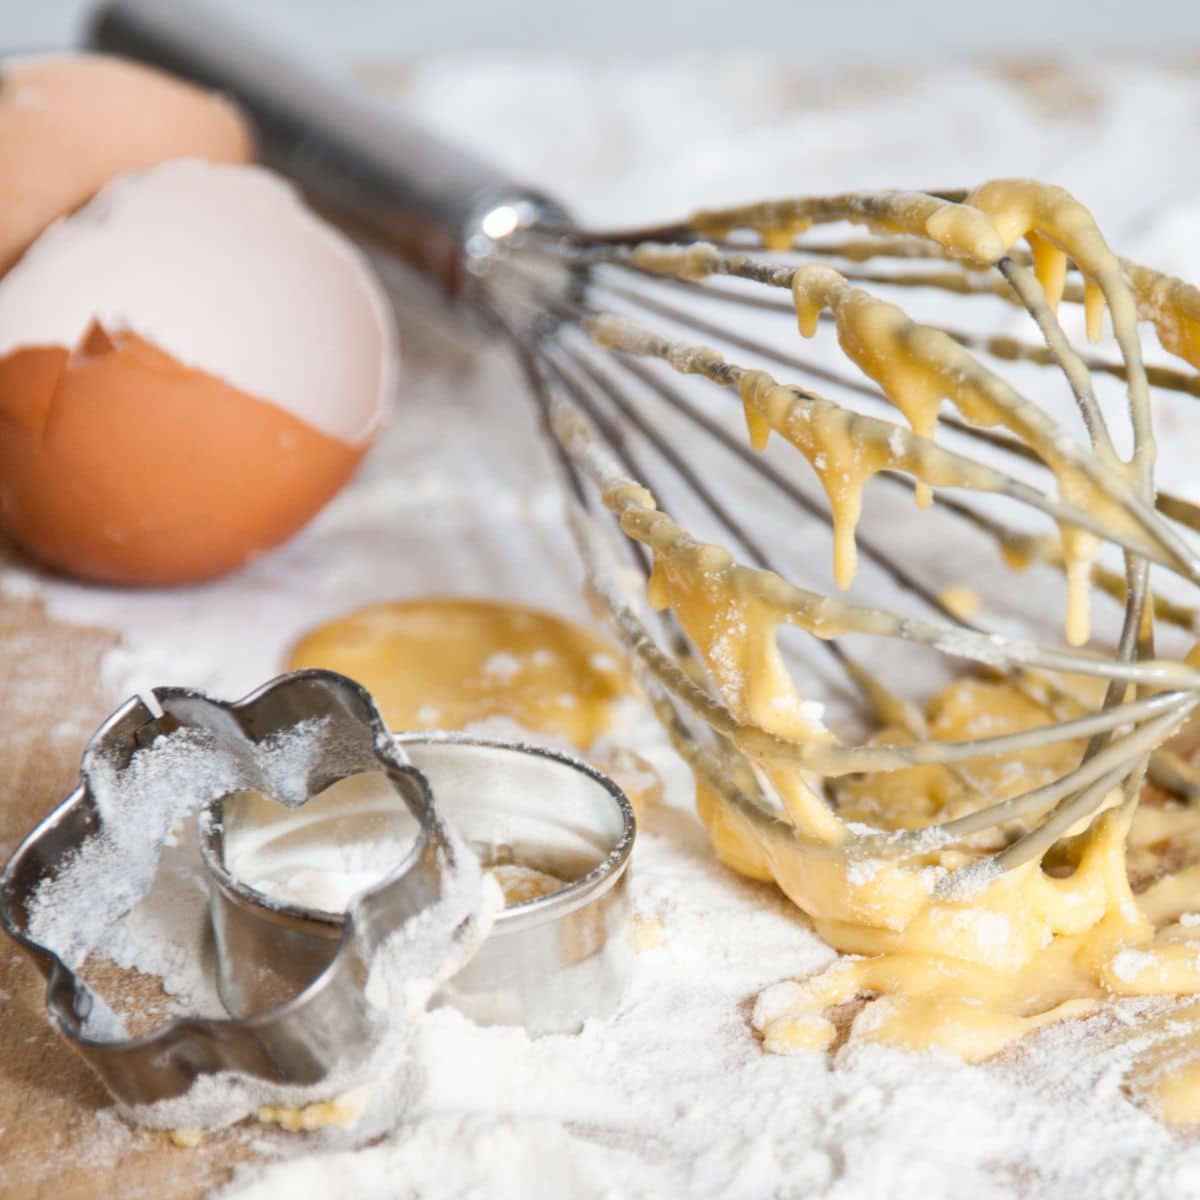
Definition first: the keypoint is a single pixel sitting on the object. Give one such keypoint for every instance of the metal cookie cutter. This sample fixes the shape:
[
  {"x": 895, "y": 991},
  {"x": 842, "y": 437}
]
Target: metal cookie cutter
[
  {"x": 548, "y": 963},
  {"x": 329, "y": 1024}
]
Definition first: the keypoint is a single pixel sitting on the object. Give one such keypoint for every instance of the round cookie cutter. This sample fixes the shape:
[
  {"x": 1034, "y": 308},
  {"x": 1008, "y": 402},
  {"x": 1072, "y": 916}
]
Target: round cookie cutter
[{"x": 548, "y": 963}]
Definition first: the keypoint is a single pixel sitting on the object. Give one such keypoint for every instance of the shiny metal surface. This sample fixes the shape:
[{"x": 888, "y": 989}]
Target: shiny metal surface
[
  {"x": 548, "y": 964},
  {"x": 326, "y": 1022}
]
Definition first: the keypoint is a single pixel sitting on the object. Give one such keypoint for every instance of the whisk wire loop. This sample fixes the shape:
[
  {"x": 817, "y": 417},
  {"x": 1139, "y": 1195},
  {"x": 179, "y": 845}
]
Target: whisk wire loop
[{"x": 625, "y": 435}]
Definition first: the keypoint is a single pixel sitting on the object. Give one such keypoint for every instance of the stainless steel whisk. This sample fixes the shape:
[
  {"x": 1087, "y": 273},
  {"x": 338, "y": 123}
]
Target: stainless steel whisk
[{"x": 603, "y": 325}]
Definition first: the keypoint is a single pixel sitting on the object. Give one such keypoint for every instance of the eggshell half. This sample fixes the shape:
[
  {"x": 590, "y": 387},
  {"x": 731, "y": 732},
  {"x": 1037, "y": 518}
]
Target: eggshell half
[
  {"x": 70, "y": 123},
  {"x": 117, "y": 463},
  {"x": 190, "y": 367}
]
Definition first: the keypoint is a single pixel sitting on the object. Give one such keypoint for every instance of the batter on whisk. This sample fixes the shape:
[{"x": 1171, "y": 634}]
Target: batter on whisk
[{"x": 984, "y": 860}]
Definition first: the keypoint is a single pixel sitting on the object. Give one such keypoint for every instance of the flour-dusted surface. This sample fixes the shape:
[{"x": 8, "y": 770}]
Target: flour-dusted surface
[{"x": 673, "y": 1096}]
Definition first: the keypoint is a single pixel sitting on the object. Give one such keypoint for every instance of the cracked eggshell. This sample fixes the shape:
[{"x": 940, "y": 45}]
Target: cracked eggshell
[
  {"x": 71, "y": 122},
  {"x": 190, "y": 367}
]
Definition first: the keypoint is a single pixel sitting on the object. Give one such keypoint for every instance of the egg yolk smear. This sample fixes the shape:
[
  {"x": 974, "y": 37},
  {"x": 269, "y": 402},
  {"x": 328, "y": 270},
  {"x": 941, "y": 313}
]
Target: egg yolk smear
[{"x": 448, "y": 662}]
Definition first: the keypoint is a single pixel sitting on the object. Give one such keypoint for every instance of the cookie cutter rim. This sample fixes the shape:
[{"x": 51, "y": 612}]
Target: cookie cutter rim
[
  {"x": 601, "y": 879},
  {"x": 164, "y": 1063},
  {"x": 566, "y": 899},
  {"x": 254, "y": 911}
]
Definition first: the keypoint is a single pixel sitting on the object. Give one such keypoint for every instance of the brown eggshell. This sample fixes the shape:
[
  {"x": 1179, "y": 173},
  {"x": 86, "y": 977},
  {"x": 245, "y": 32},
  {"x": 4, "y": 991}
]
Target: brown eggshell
[
  {"x": 120, "y": 464},
  {"x": 70, "y": 123}
]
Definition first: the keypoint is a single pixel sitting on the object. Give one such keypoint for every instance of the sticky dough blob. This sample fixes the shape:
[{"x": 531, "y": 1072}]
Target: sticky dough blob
[
  {"x": 974, "y": 972},
  {"x": 448, "y": 662},
  {"x": 69, "y": 123},
  {"x": 945, "y": 951}
]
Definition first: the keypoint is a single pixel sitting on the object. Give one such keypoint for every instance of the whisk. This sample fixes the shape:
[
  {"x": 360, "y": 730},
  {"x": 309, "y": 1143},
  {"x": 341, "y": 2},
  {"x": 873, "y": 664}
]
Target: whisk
[{"x": 606, "y": 325}]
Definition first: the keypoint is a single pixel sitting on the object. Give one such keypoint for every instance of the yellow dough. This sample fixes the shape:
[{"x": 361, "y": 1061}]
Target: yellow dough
[
  {"x": 342, "y": 1112},
  {"x": 946, "y": 951},
  {"x": 521, "y": 884},
  {"x": 446, "y": 662},
  {"x": 972, "y": 973}
]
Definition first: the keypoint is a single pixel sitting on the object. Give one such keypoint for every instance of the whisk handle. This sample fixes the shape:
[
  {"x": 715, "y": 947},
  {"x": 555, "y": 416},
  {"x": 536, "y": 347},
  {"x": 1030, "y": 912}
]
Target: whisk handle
[{"x": 365, "y": 166}]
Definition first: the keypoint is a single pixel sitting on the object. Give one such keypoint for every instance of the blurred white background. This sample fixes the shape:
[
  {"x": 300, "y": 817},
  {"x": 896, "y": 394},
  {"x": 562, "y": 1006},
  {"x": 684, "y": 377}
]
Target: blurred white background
[{"x": 374, "y": 30}]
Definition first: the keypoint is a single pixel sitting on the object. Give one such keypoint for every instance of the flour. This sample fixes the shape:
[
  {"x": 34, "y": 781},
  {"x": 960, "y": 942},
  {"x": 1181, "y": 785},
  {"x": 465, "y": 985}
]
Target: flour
[
  {"x": 674, "y": 1096},
  {"x": 138, "y": 807}
]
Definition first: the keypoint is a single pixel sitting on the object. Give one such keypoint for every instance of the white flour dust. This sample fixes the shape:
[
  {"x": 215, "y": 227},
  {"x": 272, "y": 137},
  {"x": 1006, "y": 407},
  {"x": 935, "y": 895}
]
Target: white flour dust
[{"x": 673, "y": 1096}]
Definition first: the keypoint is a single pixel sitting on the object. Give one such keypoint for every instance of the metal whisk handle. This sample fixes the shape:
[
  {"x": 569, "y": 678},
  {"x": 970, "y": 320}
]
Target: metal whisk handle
[{"x": 365, "y": 166}]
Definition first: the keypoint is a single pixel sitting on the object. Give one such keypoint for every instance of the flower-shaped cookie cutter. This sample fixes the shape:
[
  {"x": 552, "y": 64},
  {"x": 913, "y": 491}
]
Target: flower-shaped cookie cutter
[{"x": 299, "y": 1049}]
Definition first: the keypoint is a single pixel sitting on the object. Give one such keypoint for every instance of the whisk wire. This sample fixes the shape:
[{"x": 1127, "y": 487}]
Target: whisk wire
[{"x": 597, "y": 375}]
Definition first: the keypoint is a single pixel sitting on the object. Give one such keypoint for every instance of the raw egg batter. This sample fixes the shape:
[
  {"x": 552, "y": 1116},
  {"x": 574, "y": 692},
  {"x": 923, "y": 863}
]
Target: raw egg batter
[
  {"x": 449, "y": 662},
  {"x": 950, "y": 950}
]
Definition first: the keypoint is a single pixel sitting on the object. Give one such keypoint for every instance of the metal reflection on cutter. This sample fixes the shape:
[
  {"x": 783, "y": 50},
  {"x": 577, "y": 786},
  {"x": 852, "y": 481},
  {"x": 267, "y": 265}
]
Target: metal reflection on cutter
[{"x": 548, "y": 964}]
